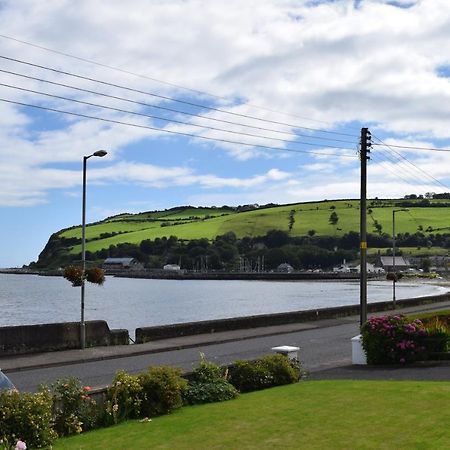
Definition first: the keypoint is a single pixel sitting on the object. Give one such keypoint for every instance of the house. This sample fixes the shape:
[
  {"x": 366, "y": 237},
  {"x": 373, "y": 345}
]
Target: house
[
  {"x": 122, "y": 264},
  {"x": 387, "y": 262},
  {"x": 371, "y": 268}
]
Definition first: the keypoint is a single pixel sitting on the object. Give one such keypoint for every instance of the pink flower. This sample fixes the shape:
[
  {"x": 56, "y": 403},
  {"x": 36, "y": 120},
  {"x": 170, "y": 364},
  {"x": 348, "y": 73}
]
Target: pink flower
[
  {"x": 87, "y": 388},
  {"x": 21, "y": 445}
]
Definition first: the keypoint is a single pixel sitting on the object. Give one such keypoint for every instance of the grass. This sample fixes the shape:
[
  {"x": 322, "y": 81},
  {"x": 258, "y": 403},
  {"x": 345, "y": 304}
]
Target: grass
[
  {"x": 195, "y": 223},
  {"x": 308, "y": 415}
]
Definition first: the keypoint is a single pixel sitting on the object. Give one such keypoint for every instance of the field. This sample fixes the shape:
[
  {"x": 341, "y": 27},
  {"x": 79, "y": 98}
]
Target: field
[
  {"x": 307, "y": 415},
  {"x": 195, "y": 223}
]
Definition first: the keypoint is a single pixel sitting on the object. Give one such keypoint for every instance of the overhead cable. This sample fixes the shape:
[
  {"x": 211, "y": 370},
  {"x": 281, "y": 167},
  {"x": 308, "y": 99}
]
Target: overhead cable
[
  {"x": 103, "y": 119},
  {"x": 164, "y": 108},
  {"x": 172, "y": 99},
  {"x": 315, "y": 144}
]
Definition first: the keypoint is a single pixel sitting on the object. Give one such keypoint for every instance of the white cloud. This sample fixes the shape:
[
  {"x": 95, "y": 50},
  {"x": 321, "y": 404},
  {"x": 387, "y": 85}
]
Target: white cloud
[{"x": 314, "y": 61}]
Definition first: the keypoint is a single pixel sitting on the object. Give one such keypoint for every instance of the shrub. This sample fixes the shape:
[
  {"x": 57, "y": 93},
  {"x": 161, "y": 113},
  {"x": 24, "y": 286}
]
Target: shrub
[
  {"x": 162, "y": 389},
  {"x": 74, "y": 410},
  {"x": 208, "y": 384},
  {"x": 437, "y": 336},
  {"x": 393, "y": 339},
  {"x": 271, "y": 370},
  {"x": 207, "y": 392},
  {"x": 123, "y": 398},
  {"x": 27, "y": 417}
]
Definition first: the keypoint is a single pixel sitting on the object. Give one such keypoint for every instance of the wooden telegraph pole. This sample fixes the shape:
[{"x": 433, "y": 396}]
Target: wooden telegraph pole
[{"x": 365, "y": 149}]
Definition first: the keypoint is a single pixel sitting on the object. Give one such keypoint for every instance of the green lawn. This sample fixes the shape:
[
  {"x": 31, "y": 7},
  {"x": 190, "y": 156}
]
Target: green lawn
[{"x": 308, "y": 415}]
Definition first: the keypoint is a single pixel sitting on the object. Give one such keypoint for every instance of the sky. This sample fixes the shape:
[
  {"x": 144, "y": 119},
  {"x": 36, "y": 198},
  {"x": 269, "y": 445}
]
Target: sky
[{"x": 214, "y": 102}]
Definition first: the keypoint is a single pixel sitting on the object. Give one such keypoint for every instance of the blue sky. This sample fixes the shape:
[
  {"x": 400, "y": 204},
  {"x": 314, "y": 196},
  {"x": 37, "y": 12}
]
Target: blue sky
[{"x": 290, "y": 72}]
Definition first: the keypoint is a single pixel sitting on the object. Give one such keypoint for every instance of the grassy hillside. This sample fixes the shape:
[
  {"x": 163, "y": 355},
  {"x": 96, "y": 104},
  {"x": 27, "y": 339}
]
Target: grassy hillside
[{"x": 193, "y": 223}]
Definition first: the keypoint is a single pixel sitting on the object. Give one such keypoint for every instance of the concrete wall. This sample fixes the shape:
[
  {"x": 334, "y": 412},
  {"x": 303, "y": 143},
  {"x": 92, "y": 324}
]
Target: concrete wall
[
  {"x": 210, "y": 326},
  {"x": 57, "y": 336}
]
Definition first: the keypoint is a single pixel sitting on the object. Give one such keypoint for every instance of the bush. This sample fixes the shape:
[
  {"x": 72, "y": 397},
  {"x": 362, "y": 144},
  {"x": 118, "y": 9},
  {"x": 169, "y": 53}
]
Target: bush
[
  {"x": 74, "y": 410},
  {"x": 208, "y": 384},
  {"x": 437, "y": 336},
  {"x": 216, "y": 391},
  {"x": 271, "y": 370},
  {"x": 162, "y": 389},
  {"x": 123, "y": 398},
  {"x": 393, "y": 339},
  {"x": 27, "y": 417}
]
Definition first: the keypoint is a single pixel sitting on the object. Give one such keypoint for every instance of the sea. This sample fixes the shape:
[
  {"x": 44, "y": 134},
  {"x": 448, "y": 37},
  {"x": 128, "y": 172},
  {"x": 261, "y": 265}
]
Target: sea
[{"x": 131, "y": 303}]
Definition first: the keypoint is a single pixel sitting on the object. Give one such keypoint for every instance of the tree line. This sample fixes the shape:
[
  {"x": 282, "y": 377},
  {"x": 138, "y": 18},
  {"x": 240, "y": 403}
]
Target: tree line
[{"x": 228, "y": 252}]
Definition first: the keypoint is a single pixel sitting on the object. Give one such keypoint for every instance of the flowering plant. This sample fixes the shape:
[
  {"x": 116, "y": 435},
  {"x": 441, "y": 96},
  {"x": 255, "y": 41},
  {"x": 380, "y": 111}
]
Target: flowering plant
[
  {"x": 393, "y": 339},
  {"x": 74, "y": 410}
]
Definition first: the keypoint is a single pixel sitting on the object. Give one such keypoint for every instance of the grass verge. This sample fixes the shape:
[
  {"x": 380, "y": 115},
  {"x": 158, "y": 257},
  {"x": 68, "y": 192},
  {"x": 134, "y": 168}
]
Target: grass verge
[{"x": 308, "y": 415}]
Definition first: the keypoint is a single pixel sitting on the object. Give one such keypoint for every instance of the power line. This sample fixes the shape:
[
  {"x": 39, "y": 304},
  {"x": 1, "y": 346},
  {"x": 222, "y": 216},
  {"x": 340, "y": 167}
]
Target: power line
[
  {"x": 163, "y": 97},
  {"x": 393, "y": 169},
  {"x": 86, "y": 116},
  {"x": 411, "y": 163},
  {"x": 164, "y": 108},
  {"x": 128, "y": 72},
  {"x": 399, "y": 165},
  {"x": 431, "y": 149},
  {"x": 166, "y": 119}
]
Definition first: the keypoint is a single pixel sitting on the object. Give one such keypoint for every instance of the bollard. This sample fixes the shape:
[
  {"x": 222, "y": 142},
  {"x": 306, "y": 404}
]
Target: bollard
[{"x": 287, "y": 350}]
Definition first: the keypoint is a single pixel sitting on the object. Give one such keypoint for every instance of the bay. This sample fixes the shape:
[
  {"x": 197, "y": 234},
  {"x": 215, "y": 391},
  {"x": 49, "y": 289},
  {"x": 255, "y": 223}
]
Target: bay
[{"x": 131, "y": 303}]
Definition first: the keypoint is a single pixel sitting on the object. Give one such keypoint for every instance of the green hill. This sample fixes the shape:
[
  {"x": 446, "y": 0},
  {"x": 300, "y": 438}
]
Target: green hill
[{"x": 188, "y": 223}]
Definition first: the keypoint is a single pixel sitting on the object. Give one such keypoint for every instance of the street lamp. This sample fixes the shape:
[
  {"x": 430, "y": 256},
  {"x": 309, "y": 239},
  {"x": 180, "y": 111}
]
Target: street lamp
[
  {"x": 393, "y": 254},
  {"x": 100, "y": 154}
]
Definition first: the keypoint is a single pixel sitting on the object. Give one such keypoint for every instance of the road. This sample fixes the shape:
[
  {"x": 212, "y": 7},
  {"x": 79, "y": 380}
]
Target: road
[{"x": 320, "y": 348}]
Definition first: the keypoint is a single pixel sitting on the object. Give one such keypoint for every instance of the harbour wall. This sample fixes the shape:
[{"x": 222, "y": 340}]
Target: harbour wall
[
  {"x": 264, "y": 320},
  {"x": 57, "y": 336},
  {"x": 65, "y": 336}
]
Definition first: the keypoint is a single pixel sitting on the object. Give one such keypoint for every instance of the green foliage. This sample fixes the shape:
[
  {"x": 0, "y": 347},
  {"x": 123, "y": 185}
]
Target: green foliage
[
  {"x": 209, "y": 384},
  {"x": 123, "y": 398},
  {"x": 208, "y": 392},
  {"x": 437, "y": 336},
  {"x": 27, "y": 417},
  {"x": 162, "y": 389},
  {"x": 271, "y": 370},
  {"x": 74, "y": 410}
]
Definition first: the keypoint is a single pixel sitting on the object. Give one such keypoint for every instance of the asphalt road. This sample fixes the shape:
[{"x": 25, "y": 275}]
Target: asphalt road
[{"x": 321, "y": 348}]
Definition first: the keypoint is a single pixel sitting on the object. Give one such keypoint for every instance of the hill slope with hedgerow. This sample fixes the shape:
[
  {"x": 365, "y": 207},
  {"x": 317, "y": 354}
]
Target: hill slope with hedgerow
[{"x": 328, "y": 224}]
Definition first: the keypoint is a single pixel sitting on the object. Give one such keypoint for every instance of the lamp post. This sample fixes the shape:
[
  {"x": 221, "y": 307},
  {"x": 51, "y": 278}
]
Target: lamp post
[
  {"x": 100, "y": 154},
  {"x": 393, "y": 254}
]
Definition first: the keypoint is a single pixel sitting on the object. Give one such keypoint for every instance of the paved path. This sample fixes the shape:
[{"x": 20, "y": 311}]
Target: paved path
[{"x": 325, "y": 354}]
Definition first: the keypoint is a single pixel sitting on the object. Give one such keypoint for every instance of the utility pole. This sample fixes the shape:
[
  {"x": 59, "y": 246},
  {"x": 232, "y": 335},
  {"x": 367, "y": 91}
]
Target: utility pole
[{"x": 365, "y": 149}]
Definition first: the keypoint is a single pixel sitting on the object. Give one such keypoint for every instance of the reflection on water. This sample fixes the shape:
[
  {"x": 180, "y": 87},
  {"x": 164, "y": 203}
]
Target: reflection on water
[{"x": 132, "y": 303}]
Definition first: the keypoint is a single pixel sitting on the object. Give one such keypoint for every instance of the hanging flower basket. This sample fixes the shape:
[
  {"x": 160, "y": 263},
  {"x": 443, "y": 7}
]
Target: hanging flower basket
[
  {"x": 74, "y": 274},
  {"x": 95, "y": 275},
  {"x": 394, "y": 276}
]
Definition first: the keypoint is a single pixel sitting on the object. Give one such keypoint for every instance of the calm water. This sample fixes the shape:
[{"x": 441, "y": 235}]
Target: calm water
[{"x": 132, "y": 303}]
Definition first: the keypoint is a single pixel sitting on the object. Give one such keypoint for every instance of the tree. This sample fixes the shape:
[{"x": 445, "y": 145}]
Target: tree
[
  {"x": 334, "y": 219},
  {"x": 291, "y": 219}
]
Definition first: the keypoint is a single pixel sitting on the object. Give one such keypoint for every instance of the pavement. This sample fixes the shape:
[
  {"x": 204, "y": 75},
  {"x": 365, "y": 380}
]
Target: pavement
[{"x": 425, "y": 371}]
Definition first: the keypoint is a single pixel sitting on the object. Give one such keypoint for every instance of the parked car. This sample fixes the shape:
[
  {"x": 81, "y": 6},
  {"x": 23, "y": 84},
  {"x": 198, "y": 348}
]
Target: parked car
[{"x": 5, "y": 382}]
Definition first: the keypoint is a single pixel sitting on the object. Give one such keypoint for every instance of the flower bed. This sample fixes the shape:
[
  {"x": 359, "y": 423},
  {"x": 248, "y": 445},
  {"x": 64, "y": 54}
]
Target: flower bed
[{"x": 399, "y": 340}]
